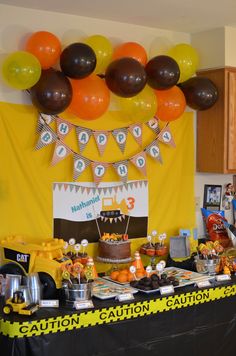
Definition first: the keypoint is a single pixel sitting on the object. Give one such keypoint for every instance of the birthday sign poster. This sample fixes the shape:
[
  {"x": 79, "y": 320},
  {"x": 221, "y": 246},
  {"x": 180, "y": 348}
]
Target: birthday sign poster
[{"x": 84, "y": 211}]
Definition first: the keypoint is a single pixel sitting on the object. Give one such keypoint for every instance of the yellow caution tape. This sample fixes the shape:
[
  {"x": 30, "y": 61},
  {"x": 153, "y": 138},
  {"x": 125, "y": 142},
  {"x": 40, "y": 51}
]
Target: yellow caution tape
[{"x": 113, "y": 314}]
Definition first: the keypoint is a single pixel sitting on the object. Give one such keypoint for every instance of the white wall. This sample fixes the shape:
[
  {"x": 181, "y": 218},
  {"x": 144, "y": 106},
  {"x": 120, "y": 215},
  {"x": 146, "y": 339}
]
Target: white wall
[
  {"x": 211, "y": 47},
  {"x": 18, "y": 23}
]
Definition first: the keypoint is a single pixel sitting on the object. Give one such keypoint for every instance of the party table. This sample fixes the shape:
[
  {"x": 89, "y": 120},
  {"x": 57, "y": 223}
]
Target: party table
[{"x": 191, "y": 322}]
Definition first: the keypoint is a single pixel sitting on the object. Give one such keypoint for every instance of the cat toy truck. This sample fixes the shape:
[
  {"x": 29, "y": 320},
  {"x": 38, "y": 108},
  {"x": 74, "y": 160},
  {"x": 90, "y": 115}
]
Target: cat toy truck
[
  {"x": 17, "y": 256},
  {"x": 18, "y": 305}
]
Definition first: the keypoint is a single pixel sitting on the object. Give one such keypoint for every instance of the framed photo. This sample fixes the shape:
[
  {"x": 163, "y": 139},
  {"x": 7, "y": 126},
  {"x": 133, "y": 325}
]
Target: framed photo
[{"x": 212, "y": 197}]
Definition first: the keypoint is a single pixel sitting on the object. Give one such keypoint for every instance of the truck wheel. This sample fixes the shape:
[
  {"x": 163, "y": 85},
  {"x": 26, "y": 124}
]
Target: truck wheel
[
  {"x": 11, "y": 268},
  {"x": 7, "y": 309},
  {"x": 48, "y": 284}
]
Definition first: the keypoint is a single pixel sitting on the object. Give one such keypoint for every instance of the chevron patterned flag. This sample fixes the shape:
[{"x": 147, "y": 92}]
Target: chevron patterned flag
[
  {"x": 61, "y": 151},
  {"x": 83, "y": 136},
  {"x": 153, "y": 124},
  {"x": 120, "y": 136},
  {"x": 101, "y": 139},
  {"x": 63, "y": 127},
  {"x": 136, "y": 131},
  {"x": 80, "y": 164},
  {"x": 99, "y": 169},
  {"x": 46, "y": 137},
  {"x": 140, "y": 162},
  {"x": 121, "y": 169},
  {"x": 154, "y": 151},
  {"x": 166, "y": 137}
]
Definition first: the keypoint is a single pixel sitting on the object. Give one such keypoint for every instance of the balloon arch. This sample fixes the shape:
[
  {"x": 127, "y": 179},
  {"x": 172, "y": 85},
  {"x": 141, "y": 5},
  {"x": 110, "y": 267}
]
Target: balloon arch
[{"x": 91, "y": 70}]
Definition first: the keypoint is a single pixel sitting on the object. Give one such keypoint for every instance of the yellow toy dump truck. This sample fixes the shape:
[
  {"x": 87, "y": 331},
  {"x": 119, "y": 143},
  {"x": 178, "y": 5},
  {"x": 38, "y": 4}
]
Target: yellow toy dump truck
[
  {"x": 46, "y": 257},
  {"x": 18, "y": 305}
]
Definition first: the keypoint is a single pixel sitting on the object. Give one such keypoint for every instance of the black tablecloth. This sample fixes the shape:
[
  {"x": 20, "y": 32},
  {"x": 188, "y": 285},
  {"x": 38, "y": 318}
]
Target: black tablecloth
[{"x": 202, "y": 329}]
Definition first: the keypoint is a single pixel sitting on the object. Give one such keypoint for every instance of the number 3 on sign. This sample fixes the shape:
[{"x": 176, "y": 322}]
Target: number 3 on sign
[{"x": 131, "y": 202}]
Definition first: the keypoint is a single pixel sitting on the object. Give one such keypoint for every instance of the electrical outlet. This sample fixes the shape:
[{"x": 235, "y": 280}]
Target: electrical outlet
[{"x": 197, "y": 203}]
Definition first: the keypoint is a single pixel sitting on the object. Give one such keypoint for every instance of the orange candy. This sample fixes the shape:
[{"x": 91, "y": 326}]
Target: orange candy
[
  {"x": 130, "y": 277},
  {"x": 123, "y": 277},
  {"x": 114, "y": 275}
]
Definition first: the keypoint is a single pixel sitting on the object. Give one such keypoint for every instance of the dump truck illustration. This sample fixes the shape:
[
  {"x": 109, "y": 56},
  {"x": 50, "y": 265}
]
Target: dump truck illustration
[
  {"x": 112, "y": 209},
  {"x": 45, "y": 257}
]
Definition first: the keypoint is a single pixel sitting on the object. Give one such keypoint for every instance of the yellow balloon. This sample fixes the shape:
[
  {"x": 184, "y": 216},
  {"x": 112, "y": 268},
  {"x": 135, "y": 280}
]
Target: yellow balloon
[
  {"x": 21, "y": 70},
  {"x": 141, "y": 107},
  {"x": 187, "y": 58},
  {"x": 103, "y": 50}
]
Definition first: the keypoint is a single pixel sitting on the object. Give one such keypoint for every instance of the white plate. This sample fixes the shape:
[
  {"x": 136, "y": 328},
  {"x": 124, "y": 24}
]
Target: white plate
[
  {"x": 104, "y": 289},
  {"x": 148, "y": 291}
]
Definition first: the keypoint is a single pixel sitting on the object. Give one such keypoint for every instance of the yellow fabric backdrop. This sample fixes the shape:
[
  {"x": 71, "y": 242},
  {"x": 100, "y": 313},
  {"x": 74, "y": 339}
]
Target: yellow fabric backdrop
[{"x": 26, "y": 175}]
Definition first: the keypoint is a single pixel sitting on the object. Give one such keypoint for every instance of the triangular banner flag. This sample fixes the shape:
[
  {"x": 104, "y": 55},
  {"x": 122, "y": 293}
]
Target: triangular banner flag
[
  {"x": 140, "y": 162},
  {"x": 60, "y": 152},
  {"x": 40, "y": 124},
  {"x": 166, "y": 137},
  {"x": 122, "y": 170},
  {"x": 120, "y": 136},
  {"x": 83, "y": 136},
  {"x": 153, "y": 124},
  {"x": 63, "y": 127},
  {"x": 46, "y": 137},
  {"x": 48, "y": 119},
  {"x": 80, "y": 164},
  {"x": 99, "y": 169},
  {"x": 154, "y": 151},
  {"x": 136, "y": 131},
  {"x": 101, "y": 139}
]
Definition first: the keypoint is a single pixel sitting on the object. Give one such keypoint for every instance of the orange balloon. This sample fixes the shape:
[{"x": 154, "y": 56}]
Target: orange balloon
[
  {"x": 45, "y": 46},
  {"x": 90, "y": 98},
  {"x": 131, "y": 49},
  {"x": 171, "y": 103}
]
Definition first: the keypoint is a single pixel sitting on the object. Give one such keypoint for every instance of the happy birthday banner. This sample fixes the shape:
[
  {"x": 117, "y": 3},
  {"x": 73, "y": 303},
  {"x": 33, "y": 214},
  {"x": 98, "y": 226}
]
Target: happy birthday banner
[{"x": 47, "y": 136}]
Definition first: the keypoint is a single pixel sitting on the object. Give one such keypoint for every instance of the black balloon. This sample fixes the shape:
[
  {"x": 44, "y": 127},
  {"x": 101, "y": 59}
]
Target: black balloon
[
  {"x": 125, "y": 77},
  {"x": 200, "y": 93},
  {"x": 162, "y": 72},
  {"x": 52, "y": 94},
  {"x": 78, "y": 60}
]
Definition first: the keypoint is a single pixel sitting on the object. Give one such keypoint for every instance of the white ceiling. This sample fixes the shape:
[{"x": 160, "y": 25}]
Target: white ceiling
[{"x": 189, "y": 16}]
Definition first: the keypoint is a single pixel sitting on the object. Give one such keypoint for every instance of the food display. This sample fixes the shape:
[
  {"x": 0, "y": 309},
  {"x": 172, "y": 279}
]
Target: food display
[
  {"x": 104, "y": 289},
  {"x": 124, "y": 275},
  {"x": 157, "y": 249},
  {"x": 154, "y": 282},
  {"x": 177, "y": 277},
  {"x": 208, "y": 258},
  {"x": 228, "y": 261},
  {"x": 152, "y": 248},
  {"x": 77, "y": 251},
  {"x": 114, "y": 248}
]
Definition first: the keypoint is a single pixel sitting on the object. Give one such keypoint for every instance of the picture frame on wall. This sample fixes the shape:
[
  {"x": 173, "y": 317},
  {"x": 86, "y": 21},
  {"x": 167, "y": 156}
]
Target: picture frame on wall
[{"x": 212, "y": 197}]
